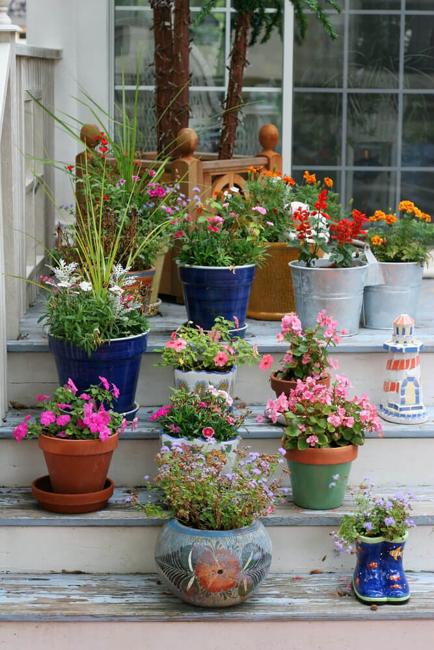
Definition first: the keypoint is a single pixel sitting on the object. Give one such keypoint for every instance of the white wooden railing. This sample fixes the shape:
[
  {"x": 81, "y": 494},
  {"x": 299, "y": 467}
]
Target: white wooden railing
[{"x": 26, "y": 208}]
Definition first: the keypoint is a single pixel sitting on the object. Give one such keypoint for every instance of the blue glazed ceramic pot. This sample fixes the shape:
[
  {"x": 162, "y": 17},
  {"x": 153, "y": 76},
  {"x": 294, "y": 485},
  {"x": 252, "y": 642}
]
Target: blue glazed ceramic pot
[
  {"x": 118, "y": 361},
  {"x": 379, "y": 575},
  {"x": 211, "y": 291},
  {"x": 212, "y": 568}
]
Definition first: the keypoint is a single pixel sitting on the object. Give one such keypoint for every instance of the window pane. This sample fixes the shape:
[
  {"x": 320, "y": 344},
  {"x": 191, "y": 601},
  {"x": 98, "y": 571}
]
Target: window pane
[
  {"x": 372, "y": 130},
  {"x": 418, "y": 130},
  {"x": 423, "y": 5},
  {"x": 265, "y": 62},
  {"x": 258, "y": 109},
  {"x": 373, "y": 58},
  {"x": 371, "y": 190},
  {"x": 387, "y": 5},
  {"x": 207, "y": 56},
  {"x": 318, "y": 61},
  {"x": 206, "y": 111},
  {"x": 146, "y": 135},
  {"x": 419, "y": 52},
  {"x": 134, "y": 47},
  {"x": 317, "y": 129},
  {"x": 419, "y": 187}
]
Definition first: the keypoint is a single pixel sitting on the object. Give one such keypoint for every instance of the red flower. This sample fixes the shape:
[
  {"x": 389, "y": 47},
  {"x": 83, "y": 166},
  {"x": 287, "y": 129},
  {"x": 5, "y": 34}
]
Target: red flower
[
  {"x": 70, "y": 168},
  {"x": 217, "y": 570}
]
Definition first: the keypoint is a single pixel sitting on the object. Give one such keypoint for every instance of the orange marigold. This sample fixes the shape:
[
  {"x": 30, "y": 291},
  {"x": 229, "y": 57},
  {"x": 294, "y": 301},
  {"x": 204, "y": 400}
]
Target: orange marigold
[
  {"x": 328, "y": 182},
  {"x": 406, "y": 206},
  {"x": 309, "y": 178},
  {"x": 376, "y": 240},
  {"x": 390, "y": 219},
  {"x": 426, "y": 217},
  {"x": 289, "y": 180},
  {"x": 378, "y": 215}
]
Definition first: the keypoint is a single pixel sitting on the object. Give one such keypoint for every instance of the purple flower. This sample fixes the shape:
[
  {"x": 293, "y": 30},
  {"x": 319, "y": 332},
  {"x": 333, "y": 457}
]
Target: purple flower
[
  {"x": 368, "y": 525},
  {"x": 389, "y": 521}
]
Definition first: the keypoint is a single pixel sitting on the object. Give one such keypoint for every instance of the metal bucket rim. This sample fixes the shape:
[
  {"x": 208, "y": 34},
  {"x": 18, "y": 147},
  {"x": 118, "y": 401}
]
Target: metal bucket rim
[{"x": 301, "y": 265}]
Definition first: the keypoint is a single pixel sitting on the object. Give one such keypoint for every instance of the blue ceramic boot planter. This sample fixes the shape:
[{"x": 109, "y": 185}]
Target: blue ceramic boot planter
[
  {"x": 379, "y": 575},
  {"x": 119, "y": 361},
  {"x": 368, "y": 584},
  {"x": 395, "y": 582},
  {"x": 213, "y": 568},
  {"x": 211, "y": 291}
]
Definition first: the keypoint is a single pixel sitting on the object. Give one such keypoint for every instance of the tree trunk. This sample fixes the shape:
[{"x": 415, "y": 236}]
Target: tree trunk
[
  {"x": 180, "y": 109},
  {"x": 163, "y": 62},
  {"x": 238, "y": 62}
]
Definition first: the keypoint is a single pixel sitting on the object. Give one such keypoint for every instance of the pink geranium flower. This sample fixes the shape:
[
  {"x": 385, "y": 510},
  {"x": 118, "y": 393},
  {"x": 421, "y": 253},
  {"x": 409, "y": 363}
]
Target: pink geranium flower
[
  {"x": 42, "y": 397},
  {"x": 72, "y": 387},
  {"x": 47, "y": 417},
  {"x": 266, "y": 362},
  {"x": 221, "y": 359},
  {"x": 63, "y": 420},
  {"x": 115, "y": 390},
  {"x": 85, "y": 397},
  {"x": 104, "y": 382},
  {"x": 21, "y": 429}
]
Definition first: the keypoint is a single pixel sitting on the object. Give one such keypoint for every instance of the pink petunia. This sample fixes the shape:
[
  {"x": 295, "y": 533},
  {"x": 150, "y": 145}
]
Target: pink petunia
[
  {"x": 65, "y": 407},
  {"x": 42, "y": 397},
  {"x": 47, "y": 417},
  {"x": 72, "y": 387},
  {"x": 21, "y": 429},
  {"x": 104, "y": 382},
  {"x": 85, "y": 397},
  {"x": 115, "y": 390},
  {"x": 63, "y": 420},
  {"x": 266, "y": 362},
  {"x": 221, "y": 359},
  {"x": 180, "y": 345}
]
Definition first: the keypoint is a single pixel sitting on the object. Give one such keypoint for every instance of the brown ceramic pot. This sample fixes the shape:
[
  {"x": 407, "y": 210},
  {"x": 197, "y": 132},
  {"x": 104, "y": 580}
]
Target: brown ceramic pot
[
  {"x": 272, "y": 295},
  {"x": 70, "y": 503},
  {"x": 77, "y": 466},
  {"x": 287, "y": 385}
]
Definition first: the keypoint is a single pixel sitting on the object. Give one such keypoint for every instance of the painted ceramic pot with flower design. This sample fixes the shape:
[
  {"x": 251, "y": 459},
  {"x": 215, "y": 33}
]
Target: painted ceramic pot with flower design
[
  {"x": 201, "y": 358},
  {"x": 206, "y": 421},
  {"x": 324, "y": 428},
  {"x": 215, "y": 552},
  {"x": 77, "y": 433},
  {"x": 308, "y": 353},
  {"x": 377, "y": 532},
  {"x": 401, "y": 245}
]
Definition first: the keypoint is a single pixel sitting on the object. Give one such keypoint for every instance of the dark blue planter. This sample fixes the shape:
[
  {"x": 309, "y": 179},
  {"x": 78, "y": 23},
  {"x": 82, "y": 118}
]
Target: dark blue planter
[
  {"x": 379, "y": 575},
  {"x": 118, "y": 361},
  {"x": 212, "y": 291}
]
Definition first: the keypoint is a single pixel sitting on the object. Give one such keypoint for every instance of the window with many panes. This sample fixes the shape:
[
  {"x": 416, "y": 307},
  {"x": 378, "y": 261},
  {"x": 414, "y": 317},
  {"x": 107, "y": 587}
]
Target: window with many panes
[
  {"x": 210, "y": 48},
  {"x": 363, "y": 108}
]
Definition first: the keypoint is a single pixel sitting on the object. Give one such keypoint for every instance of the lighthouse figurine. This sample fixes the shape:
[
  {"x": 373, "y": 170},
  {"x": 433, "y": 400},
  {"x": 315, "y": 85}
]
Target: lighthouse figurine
[{"x": 402, "y": 393}]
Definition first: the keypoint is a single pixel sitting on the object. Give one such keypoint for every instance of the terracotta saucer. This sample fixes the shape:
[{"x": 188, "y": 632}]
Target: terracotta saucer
[{"x": 70, "y": 503}]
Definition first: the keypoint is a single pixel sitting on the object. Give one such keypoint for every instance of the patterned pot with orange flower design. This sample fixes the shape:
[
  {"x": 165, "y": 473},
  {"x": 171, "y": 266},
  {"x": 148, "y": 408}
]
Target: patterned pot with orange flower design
[{"x": 213, "y": 568}]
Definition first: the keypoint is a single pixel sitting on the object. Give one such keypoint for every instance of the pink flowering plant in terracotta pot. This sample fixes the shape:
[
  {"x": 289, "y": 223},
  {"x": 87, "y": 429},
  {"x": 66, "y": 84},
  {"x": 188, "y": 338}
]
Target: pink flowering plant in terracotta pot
[
  {"x": 308, "y": 351},
  {"x": 72, "y": 416},
  {"x": 208, "y": 417}
]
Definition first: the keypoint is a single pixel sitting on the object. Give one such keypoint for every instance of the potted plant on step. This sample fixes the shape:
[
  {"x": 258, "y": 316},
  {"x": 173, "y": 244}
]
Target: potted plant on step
[
  {"x": 214, "y": 552},
  {"x": 206, "y": 421},
  {"x": 377, "y": 531},
  {"x": 308, "y": 353},
  {"x": 77, "y": 432},
  {"x": 401, "y": 245},
  {"x": 273, "y": 195},
  {"x": 335, "y": 283},
  {"x": 324, "y": 428},
  {"x": 200, "y": 358},
  {"x": 219, "y": 251}
]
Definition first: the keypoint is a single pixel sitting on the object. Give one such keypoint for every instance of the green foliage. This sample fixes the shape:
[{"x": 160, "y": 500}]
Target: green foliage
[
  {"x": 201, "y": 494},
  {"x": 374, "y": 516},
  {"x": 192, "y": 348},
  {"x": 208, "y": 416},
  {"x": 406, "y": 238},
  {"x": 221, "y": 237}
]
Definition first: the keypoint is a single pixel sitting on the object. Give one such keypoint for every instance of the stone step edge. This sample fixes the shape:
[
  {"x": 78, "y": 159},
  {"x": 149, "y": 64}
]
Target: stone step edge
[
  {"x": 18, "y": 509},
  {"x": 147, "y": 430},
  {"x": 142, "y": 598}
]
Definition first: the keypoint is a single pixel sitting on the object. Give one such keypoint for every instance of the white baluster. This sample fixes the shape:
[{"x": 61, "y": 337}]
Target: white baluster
[{"x": 4, "y": 18}]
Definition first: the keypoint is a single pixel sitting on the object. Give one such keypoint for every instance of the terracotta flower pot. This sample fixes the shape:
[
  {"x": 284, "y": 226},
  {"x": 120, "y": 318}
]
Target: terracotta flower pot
[
  {"x": 272, "y": 295},
  {"x": 70, "y": 504},
  {"x": 319, "y": 476},
  {"x": 77, "y": 466},
  {"x": 287, "y": 385}
]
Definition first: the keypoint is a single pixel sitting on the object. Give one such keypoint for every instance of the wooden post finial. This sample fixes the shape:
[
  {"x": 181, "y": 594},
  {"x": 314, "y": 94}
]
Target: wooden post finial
[
  {"x": 187, "y": 142},
  {"x": 90, "y": 134},
  {"x": 269, "y": 137}
]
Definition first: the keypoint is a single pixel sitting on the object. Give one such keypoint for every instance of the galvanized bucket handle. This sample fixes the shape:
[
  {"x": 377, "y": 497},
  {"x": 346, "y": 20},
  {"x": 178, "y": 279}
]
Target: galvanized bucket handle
[{"x": 374, "y": 276}]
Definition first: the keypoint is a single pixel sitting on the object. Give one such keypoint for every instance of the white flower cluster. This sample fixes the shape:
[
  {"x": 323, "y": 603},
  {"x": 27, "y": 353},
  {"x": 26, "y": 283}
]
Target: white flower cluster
[
  {"x": 64, "y": 274},
  {"x": 319, "y": 225},
  {"x": 220, "y": 393}
]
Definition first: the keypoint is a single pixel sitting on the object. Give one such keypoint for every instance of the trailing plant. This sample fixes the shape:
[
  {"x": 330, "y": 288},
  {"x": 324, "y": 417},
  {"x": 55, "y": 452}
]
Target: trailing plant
[
  {"x": 70, "y": 416},
  {"x": 308, "y": 353},
  {"x": 386, "y": 516},
  {"x": 321, "y": 416},
  {"x": 88, "y": 314},
  {"x": 208, "y": 416},
  {"x": 406, "y": 237},
  {"x": 198, "y": 491},
  {"x": 192, "y": 348},
  {"x": 222, "y": 236}
]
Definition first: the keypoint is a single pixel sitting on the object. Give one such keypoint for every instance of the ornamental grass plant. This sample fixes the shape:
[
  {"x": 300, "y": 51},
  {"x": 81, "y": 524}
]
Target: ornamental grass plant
[{"x": 403, "y": 237}]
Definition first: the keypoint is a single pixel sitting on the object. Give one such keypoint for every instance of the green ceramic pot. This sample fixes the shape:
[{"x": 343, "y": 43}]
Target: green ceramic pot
[{"x": 319, "y": 477}]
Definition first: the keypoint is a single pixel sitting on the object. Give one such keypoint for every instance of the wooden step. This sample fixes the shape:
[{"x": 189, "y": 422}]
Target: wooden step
[{"x": 121, "y": 539}]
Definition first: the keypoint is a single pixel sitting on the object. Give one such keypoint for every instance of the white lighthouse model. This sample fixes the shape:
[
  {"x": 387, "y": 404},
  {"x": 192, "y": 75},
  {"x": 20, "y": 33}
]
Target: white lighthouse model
[{"x": 402, "y": 393}]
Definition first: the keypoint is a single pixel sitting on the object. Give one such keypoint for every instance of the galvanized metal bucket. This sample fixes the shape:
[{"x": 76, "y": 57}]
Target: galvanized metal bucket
[
  {"x": 398, "y": 295},
  {"x": 338, "y": 291}
]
